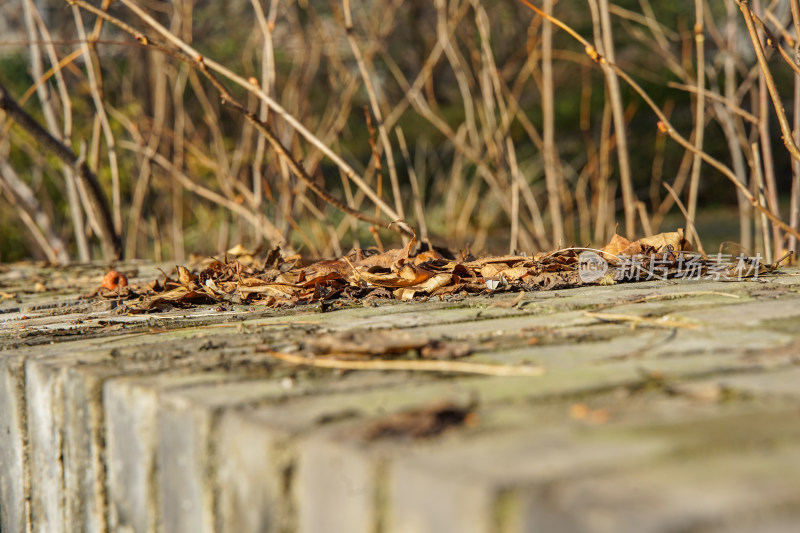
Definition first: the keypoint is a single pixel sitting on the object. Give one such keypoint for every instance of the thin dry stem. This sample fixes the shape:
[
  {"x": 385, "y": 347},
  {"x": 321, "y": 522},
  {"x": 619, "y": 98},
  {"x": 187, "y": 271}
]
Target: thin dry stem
[
  {"x": 419, "y": 207},
  {"x": 623, "y": 158},
  {"x": 759, "y": 182},
  {"x": 700, "y": 116},
  {"x": 376, "y": 109},
  {"x": 460, "y": 367},
  {"x": 794, "y": 207},
  {"x": 636, "y": 320},
  {"x": 695, "y": 237},
  {"x": 93, "y": 77},
  {"x": 552, "y": 168}
]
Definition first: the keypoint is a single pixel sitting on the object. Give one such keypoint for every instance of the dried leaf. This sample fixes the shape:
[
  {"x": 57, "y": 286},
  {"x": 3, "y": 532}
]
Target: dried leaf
[
  {"x": 491, "y": 270},
  {"x": 186, "y": 278},
  {"x": 430, "y": 285},
  {"x": 513, "y": 274},
  {"x": 389, "y": 257},
  {"x": 448, "y": 290},
  {"x": 673, "y": 241},
  {"x": 619, "y": 245},
  {"x": 239, "y": 250},
  {"x": 407, "y": 276},
  {"x": 269, "y": 289},
  {"x": 242, "y": 254},
  {"x": 274, "y": 258},
  {"x": 430, "y": 255},
  {"x": 324, "y": 268},
  {"x": 424, "y": 422}
]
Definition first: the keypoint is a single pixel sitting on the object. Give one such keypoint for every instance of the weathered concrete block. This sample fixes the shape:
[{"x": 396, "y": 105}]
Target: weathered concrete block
[
  {"x": 463, "y": 484},
  {"x": 85, "y": 438},
  {"x": 784, "y": 382},
  {"x": 424, "y": 501},
  {"x": 85, "y": 433},
  {"x": 85, "y": 472},
  {"x": 254, "y": 471},
  {"x": 45, "y": 403},
  {"x": 232, "y": 470},
  {"x": 130, "y": 421},
  {"x": 747, "y": 313},
  {"x": 337, "y": 488},
  {"x": 184, "y": 467},
  {"x": 66, "y": 436},
  {"x": 234, "y": 440},
  {"x": 35, "y": 442},
  {"x": 151, "y": 456},
  {"x": 14, "y": 478},
  {"x": 710, "y": 493},
  {"x": 243, "y": 463}
]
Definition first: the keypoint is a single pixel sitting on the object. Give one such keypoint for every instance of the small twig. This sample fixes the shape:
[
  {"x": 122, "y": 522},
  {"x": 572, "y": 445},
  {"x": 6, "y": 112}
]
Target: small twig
[
  {"x": 618, "y": 115},
  {"x": 794, "y": 206},
  {"x": 759, "y": 183},
  {"x": 636, "y": 320},
  {"x": 355, "y": 272},
  {"x": 700, "y": 117},
  {"x": 376, "y": 108},
  {"x": 733, "y": 134},
  {"x": 748, "y": 116},
  {"x": 415, "y": 189},
  {"x": 419, "y": 366},
  {"x": 642, "y": 208},
  {"x": 783, "y": 258},
  {"x": 674, "y": 295},
  {"x": 93, "y": 77},
  {"x": 552, "y": 164}
]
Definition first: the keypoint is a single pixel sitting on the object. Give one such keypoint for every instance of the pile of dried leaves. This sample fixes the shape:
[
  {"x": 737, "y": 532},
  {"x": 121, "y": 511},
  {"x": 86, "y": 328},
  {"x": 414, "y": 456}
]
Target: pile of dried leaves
[{"x": 278, "y": 281}]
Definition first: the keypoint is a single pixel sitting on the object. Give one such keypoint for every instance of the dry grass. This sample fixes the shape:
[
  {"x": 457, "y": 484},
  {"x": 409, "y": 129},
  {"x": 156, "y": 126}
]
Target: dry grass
[{"x": 477, "y": 124}]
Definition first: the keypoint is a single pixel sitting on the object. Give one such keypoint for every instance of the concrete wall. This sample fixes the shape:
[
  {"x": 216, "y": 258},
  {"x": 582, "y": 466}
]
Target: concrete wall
[{"x": 179, "y": 421}]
